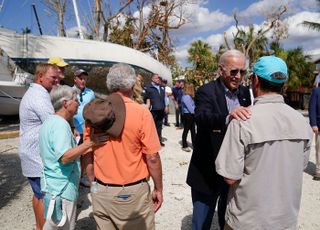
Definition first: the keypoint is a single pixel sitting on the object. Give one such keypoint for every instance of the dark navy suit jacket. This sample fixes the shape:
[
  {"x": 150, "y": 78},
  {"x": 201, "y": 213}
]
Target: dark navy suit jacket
[
  {"x": 210, "y": 116},
  {"x": 157, "y": 99},
  {"x": 314, "y": 107}
]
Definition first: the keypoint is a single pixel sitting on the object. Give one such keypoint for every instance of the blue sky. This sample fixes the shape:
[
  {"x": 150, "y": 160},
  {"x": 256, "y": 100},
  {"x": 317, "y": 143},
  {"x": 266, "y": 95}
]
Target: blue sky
[{"x": 207, "y": 20}]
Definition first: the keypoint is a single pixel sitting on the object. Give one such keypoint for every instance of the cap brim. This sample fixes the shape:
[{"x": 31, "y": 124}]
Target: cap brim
[{"x": 62, "y": 64}]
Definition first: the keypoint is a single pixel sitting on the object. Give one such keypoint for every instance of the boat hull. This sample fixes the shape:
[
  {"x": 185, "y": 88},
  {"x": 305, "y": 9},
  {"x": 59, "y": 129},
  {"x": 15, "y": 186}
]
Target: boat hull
[
  {"x": 32, "y": 48},
  {"x": 11, "y": 94}
]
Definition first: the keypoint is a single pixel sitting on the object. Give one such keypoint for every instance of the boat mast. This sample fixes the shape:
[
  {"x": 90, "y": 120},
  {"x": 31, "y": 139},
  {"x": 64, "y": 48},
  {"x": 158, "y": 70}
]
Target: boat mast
[
  {"x": 37, "y": 18},
  {"x": 77, "y": 18}
]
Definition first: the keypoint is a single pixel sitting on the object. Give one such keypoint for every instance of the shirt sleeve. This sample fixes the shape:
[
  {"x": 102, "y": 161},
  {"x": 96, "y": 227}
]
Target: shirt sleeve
[{"x": 230, "y": 160}]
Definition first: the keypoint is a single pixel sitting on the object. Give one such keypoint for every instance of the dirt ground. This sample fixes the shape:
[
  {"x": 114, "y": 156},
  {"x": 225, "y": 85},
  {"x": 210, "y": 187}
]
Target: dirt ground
[{"x": 16, "y": 208}]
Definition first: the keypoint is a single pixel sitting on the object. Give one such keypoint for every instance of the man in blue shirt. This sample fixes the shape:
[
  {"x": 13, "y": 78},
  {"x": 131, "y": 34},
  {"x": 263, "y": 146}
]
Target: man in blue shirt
[{"x": 85, "y": 95}]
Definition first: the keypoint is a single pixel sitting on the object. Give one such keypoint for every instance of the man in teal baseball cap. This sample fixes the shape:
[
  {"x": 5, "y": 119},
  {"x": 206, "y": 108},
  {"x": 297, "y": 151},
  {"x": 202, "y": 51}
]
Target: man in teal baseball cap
[{"x": 263, "y": 158}]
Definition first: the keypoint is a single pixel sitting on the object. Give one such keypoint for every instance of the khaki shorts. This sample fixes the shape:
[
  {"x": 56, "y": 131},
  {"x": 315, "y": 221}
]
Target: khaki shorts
[{"x": 123, "y": 207}]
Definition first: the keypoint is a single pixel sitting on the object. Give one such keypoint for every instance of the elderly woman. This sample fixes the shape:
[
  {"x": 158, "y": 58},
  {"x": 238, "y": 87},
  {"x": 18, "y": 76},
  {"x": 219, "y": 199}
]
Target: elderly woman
[{"x": 60, "y": 156}]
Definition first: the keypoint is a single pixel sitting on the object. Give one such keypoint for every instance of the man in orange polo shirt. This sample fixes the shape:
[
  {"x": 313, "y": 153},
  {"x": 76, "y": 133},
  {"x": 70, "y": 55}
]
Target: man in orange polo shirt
[{"x": 121, "y": 168}]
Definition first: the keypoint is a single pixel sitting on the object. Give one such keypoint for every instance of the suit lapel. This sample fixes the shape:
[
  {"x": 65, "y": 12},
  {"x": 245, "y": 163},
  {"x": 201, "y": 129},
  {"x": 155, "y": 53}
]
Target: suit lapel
[{"x": 221, "y": 97}]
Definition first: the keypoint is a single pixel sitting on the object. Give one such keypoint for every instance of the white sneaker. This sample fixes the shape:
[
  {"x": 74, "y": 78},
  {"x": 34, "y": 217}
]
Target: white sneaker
[{"x": 186, "y": 149}]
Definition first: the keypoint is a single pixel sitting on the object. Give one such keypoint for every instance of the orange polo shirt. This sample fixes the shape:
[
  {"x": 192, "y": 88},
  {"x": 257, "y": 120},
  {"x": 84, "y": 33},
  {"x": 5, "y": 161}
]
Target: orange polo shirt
[{"x": 122, "y": 161}]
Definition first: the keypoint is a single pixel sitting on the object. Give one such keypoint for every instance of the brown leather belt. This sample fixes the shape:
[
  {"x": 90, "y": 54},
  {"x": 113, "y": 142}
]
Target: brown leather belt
[{"x": 122, "y": 185}]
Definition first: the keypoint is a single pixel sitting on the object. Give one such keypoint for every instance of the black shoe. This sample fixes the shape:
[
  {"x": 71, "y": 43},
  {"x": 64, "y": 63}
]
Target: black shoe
[
  {"x": 162, "y": 144},
  {"x": 166, "y": 124},
  {"x": 316, "y": 176}
]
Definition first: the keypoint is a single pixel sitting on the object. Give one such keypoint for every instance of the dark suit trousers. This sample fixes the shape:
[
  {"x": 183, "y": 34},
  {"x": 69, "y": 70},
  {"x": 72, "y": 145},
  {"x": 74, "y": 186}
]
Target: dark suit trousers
[
  {"x": 204, "y": 207},
  {"x": 189, "y": 124},
  {"x": 158, "y": 116}
]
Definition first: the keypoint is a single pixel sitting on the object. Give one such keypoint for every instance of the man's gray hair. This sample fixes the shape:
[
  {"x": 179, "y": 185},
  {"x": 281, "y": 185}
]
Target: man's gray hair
[
  {"x": 230, "y": 53},
  {"x": 60, "y": 93},
  {"x": 120, "y": 76}
]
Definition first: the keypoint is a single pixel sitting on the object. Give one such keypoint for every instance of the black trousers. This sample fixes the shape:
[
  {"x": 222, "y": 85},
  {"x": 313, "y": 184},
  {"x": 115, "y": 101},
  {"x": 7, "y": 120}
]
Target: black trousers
[
  {"x": 158, "y": 116},
  {"x": 179, "y": 117},
  {"x": 189, "y": 124}
]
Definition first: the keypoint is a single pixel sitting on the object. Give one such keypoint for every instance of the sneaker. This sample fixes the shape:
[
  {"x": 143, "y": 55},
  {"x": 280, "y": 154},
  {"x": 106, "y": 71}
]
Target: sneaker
[
  {"x": 162, "y": 144},
  {"x": 186, "y": 149},
  {"x": 84, "y": 182},
  {"x": 166, "y": 124}
]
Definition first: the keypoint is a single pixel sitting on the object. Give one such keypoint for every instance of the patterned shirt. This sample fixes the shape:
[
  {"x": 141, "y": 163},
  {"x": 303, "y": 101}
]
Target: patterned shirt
[{"x": 35, "y": 108}]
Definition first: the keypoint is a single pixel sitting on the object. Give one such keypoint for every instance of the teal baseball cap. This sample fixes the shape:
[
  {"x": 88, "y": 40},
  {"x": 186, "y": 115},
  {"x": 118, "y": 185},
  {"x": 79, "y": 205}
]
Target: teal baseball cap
[{"x": 272, "y": 69}]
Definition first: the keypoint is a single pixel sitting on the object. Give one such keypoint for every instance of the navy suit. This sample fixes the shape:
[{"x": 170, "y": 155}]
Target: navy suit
[
  {"x": 314, "y": 107},
  {"x": 157, "y": 101},
  {"x": 210, "y": 116},
  {"x": 314, "y": 118}
]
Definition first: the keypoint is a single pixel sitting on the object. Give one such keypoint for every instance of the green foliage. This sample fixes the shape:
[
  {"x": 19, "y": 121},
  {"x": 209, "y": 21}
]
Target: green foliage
[
  {"x": 312, "y": 25},
  {"x": 299, "y": 66},
  {"x": 300, "y": 70},
  {"x": 176, "y": 70},
  {"x": 251, "y": 44},
  {"x": 203, "y": 61},
  {"x": 122, "y": 36}
]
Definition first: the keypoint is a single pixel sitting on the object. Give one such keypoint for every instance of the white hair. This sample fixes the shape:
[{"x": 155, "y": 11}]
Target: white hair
[
  {"x": 120, "y": 76},
  {"x": 60, "y": 93},
  {"x": 223, "y": 60}
]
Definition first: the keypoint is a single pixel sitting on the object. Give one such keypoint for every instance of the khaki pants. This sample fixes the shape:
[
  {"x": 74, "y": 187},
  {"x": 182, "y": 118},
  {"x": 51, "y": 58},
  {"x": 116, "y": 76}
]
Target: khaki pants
[
  {"x": 123, "y": 207},
  {"x": 318, "y": 153},
  {"x": 227, "y": 227}
]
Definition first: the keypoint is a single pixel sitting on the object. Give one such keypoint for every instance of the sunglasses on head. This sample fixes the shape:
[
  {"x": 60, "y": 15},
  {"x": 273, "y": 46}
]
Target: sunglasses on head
[{"x": 234, "y": 72}]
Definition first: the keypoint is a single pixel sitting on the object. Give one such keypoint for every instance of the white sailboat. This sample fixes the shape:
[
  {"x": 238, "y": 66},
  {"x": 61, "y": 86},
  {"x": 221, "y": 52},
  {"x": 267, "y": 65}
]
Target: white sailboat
[{"x": 27, "y": 50}]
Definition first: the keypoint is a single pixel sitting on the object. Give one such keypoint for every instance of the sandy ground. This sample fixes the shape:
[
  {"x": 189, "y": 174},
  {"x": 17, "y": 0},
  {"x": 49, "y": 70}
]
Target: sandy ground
[{"x": 16, "y": 209}]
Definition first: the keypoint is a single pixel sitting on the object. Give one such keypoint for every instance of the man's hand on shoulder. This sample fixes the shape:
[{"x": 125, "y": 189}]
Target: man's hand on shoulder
[{"x": 240, "y": 113}]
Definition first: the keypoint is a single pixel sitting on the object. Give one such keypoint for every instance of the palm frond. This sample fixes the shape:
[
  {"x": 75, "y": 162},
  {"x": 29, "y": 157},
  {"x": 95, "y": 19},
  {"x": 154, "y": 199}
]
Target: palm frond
[{"x": 312, "y": 25}]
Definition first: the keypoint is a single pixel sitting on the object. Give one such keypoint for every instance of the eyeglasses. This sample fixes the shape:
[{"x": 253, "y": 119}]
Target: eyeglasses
[{"x": 234, "y": 72}]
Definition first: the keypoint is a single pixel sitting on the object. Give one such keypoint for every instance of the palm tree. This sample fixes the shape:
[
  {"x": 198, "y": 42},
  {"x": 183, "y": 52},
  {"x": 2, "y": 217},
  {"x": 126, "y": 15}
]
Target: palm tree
[
  {"x": 253, "y": 46},
  {"x": 203, "y": 61},
  {"x": 313, "y": 25},
  {"x": 299, "y": 66}
]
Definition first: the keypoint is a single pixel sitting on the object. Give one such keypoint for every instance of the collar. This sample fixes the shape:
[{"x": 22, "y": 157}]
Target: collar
[
  {"x": 78, "y": 90},
  {"x": 228, "y": 92},
  {"x": 38, "y": 87},
  {"x": 269, "y": 98},
  {"x": 155, "y": 85}
]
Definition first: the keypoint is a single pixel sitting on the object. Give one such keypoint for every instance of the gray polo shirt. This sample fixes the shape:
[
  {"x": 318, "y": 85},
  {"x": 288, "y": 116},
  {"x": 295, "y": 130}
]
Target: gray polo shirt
[{"x": 267, "y": 154}]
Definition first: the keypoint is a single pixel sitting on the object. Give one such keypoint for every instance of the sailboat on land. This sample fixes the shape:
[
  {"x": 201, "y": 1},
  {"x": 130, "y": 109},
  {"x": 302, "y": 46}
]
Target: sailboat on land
[{"x": 26, "y": 50}]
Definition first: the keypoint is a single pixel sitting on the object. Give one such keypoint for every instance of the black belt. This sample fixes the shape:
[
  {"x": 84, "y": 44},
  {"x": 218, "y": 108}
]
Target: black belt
[{"x": 122, "y": 185}]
